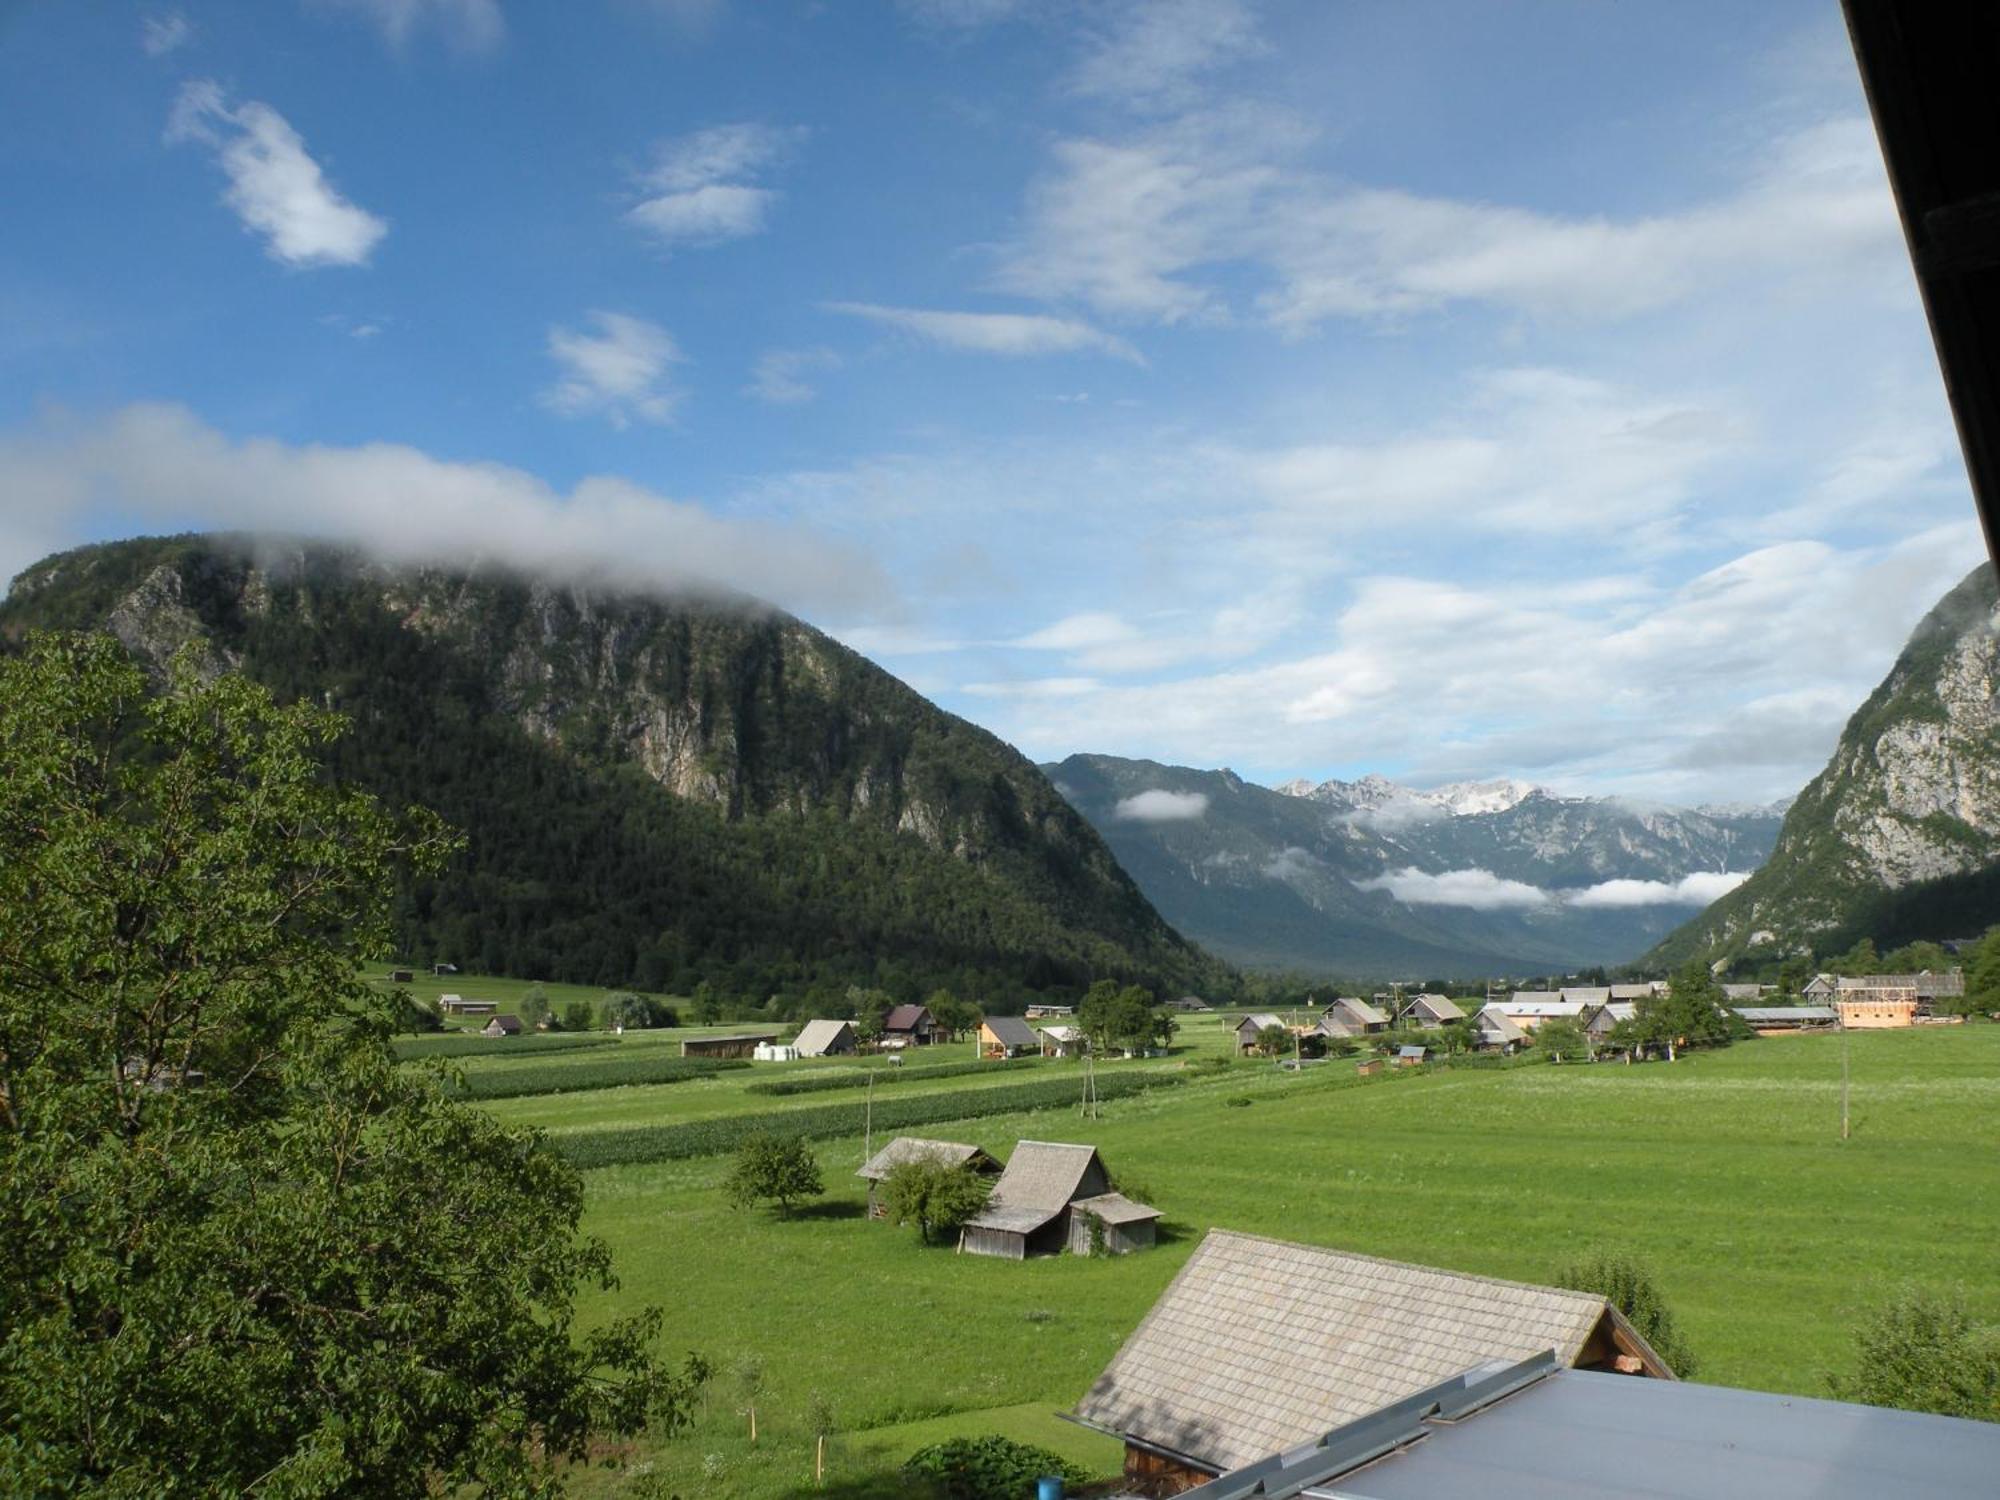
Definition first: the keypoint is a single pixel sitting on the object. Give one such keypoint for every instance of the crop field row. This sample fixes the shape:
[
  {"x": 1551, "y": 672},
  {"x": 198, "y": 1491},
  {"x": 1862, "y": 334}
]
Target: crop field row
[
  {"x": 593, "y": 1073},
  {"x": 827, "y": 1079}
]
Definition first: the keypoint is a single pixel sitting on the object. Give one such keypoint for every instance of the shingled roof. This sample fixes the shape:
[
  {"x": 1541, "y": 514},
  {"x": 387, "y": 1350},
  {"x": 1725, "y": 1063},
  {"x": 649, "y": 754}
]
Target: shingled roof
[
  {"x": 1258, "y": 1344},
  {"x": 915, "y": 1148},
  {"x": 1041, "y": 1179}
]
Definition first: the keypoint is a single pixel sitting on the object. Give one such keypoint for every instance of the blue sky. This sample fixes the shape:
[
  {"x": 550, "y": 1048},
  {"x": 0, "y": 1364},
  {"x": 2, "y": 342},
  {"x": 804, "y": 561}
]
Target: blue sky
[{"x": 1438, "y": 390}]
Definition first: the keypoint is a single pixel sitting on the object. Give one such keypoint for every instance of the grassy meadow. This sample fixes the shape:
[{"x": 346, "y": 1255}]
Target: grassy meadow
[{"x": 1768, "y": 1233}]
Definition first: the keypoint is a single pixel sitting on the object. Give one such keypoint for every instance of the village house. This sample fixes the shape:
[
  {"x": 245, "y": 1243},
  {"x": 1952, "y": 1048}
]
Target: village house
[
  {"x": 1248, "y": 1028},
  {"x": 875, "y": 1171},
  {"x": 1631, "y": 992},
  {"x": 1258, "y": 1345},
  {"x": 1029, "y": 1211},
  {"x": 738, "y": 1044},
  {"x": 1588, "y": 994},
  {"x": 1876, "y": 1009},
  {"x": 503, "y": 1026},
  {"x": 1062, "y": 1041},
  {"x": 1598, "y": 1028},
  {"x": 1430, "y": 1011},
  {"x": 1351, "y": 1016},
  {"x": 1529, "y": 1008},
  {"x": 909, "y": 1026},
  {"x": 825, "y": 1039},
  {"x": 1007, "y": 1036},
  {"x": 1495, "y": 1031}
]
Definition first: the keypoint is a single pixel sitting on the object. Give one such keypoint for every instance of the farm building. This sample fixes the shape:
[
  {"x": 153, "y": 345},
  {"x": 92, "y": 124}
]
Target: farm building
[
  {"x": 1258, "y": 1345},
  {"x": 1045, "y": 1012},
  {"x": 458, "y": 1005},
  {"x": 1368, "y": 1067},
  {"x": 503, "y": 1026},
  {"x": 1029, "y": 1211},
  {"x": 1411, "y": 1057},
  {"x": 875, "y": 1171},
  {"x": 1496, "y": 1030},
  {"x": 1110, "y": 1224},
  {"x": 401, "y": 976},
  {"x": 1589, "y": 994},
  {"x": 1770, "y": 1020},
  {"x": 1535, "y": 1427},
  {"x": 909, "y": 1026},
  {"x": 1249, "y": 1026},
  {"x": 825, "y": 1039},
  {"x": 1529, "y": 1008},
  {"x": 1062, "y": 1041},
  {"x": 739, "y": 1044},
  {"x": 440, "y": 971},
  {"x": 1608, "y": 1015},
  {"x": 1351, "y": 1016},
  {"x": 1189, "y": 1003},
  {"x": 1432, "y": 1011},
  {"x": 1877, "y": 1009},
  {"x": 1007, "y": 1036}
]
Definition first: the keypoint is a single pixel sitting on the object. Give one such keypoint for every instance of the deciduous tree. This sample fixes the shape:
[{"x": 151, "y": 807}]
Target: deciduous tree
[
  {"x": 936, "y": 1196},
  {"x": 778, "y": 1169},
  {"x": 1628, "y": 1285},
  {"x": 1923, "y": 1352}
]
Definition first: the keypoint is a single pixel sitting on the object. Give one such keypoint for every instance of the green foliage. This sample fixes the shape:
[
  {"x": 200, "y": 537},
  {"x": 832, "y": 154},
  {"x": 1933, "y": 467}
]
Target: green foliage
[
  {"x": 1922, "y": 1351},
  {"x": 1274, "y": 1040},
  {"x": 771, "y": 1168},
  {"x": 938, "y": 1197},
  {"x": 827, "y": 1080},
  {"x": 639, "y": 1143},
  {"x": 579, "y": 1015},
  {"x": 638, "y": 1012},
  {"x": 244, "y": 1251},
  {"x": 1116, "y": 1017},
  {"x": 411, "y": 1015},
  {"x": 1690, "y": 1014},
  {"x": 1627, "y": 1284},
  {"x": 534, "y": 1007},
  {"x": 1860, "y": 959},
  {"x": 1562, "y": 1040},
  {"x": 987, "y": 1468},
  {"x": 1982, "y": 976},
  {"x": 952, "y": 1013},
  {"x": 580, "y": 866},
  {"x": 604, "y": 1073},
  {"x": 471, "y": 1044}
]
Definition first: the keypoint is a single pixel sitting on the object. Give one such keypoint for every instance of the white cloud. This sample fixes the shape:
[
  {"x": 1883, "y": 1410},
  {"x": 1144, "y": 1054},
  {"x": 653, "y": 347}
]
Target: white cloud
[
  {"x": 1014, "y": 334},
  {"x": 1698, "y": 889},
  {"x": 1146, "y": 226},
  {"x": 1150, "y": 52},
  {"x": 1478, "y": 890},
  {"x": 160, "y": 467},
  {"x": 1158, "y": 805},
  {"x": 1036, "y": 687},
  {"x": 275, "y": 187},
  {"x": 702, "y": 188},
  {"x": 473, "y": 25},
  {"x": 169, "y": 31},
  {"x": 1292, "y": 863},
  {"x": 618, "y": 372},
  {"x": 1078, "y": 632},
  {"x": 780, "y": 375}
]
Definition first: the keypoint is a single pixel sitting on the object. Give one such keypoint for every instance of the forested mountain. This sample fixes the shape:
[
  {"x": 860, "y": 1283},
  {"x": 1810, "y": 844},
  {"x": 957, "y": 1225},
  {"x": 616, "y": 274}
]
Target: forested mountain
[
  {"x": 1899, "y": 837},
  {"x": 1371, "y": 878},
  {"x": 655, "y": 791}
]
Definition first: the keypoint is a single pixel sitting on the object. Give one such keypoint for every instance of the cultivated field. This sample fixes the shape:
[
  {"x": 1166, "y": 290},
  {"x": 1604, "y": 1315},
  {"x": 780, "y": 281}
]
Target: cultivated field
[{"x": 1769, "y": 1234}]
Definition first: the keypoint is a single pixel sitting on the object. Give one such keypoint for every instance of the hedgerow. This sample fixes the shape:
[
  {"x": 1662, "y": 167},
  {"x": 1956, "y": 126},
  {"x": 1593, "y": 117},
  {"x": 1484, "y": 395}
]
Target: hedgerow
[
  {"x": 599, "y": 1073},
  {"x": 643, "y": 1143},
  {"x": 409, "y": 1050},
  {"x": 855, "y": 1078}
]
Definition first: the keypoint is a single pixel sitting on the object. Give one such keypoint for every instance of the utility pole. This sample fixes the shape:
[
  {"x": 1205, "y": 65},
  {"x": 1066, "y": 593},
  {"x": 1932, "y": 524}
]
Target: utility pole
[
  {"x": 1843, "y": 1069},
  {"x": 868, "y": 1121}
]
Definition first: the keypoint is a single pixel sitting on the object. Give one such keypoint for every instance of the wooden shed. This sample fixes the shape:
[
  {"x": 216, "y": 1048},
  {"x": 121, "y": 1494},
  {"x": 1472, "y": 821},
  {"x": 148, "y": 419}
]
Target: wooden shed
[
  {"x": 1123, "y": 1226},
  {"x": 1248, "y": 1028},
  {"x": 1007, "y": 1036},
  {"x": 739, "y": 1044},
  {"x": 1411, "y": 1057},
  {"x": 1029, "y": 1212},
  {"x": 825, "y": 1039},
  {"x": 1368, "y": 1067},
  {"x": 875, "y": 1171},
  {"x": 1352, "y": 1016},
  {"x": 911, "y": 1025},
  {"x": 503, "y": 1026}
]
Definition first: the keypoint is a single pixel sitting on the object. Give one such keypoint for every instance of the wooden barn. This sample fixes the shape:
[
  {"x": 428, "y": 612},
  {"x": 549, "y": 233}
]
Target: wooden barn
[
  {"x": 1062, "y": 1041},
  {"x": 502, "y": 1026},
  {"x": 1352, "y": 1016},
  {"x": 1412, "y": 1057},
  {"x": 738, "y": 1044},
  {"x": 1258, "y": 1345},
  {"x": 1007, "y": 1036},
  {"x": 1249, "y": 1026},
  {"x": 1110, "y": 1224},
  {"x": 825, "y": 1039},
  {"x": 875, "y": 1171},
  {"x": 1029, "y": 1211},
  {"x": 909, "y": 1026},
  {"x": 1432, "y": 1011}
]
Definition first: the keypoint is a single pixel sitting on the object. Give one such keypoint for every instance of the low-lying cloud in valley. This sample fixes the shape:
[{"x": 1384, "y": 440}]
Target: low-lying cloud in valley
[
  {"x": 1482, "y": 890},
  {"x": 1159, "y": 805}
]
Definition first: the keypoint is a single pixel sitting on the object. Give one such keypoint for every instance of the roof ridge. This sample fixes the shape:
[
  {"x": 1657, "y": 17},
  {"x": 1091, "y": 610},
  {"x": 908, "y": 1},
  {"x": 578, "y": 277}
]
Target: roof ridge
[{"x": 1406, "y": 1265}]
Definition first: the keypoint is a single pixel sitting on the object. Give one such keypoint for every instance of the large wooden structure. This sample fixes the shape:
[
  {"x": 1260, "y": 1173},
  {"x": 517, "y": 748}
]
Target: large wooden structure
[
  {"x": 1031, "y": 1209},
  {"x": 738, "y": 1044}
]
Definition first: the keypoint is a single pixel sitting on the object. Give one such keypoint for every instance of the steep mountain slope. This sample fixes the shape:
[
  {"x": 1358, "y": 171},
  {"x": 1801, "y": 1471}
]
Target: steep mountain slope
[
  {"x": 1369, "y": 878},
  {"x": 655, "y": 791},
  {"x": 1901, "y": 832}
]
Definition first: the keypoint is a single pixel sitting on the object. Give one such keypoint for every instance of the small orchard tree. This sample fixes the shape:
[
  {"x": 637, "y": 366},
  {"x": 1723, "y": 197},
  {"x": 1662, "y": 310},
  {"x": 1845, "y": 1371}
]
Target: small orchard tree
[
  {"x": 938, "y": 1197},
  {"x": 770, "y": 1168},
  {"x": 1922, "y": 1351},
  {"x": 1562, "y": 1040},
  {"x": 1627, "y": 1284},
  {"x": 636, "y": 1012},
  {"x": 534, "y": 1007},
  {"x": 1273, "y": 1040},
  {"x": 953, "y": 1014},
  {"x": 579, "y": 1015}
]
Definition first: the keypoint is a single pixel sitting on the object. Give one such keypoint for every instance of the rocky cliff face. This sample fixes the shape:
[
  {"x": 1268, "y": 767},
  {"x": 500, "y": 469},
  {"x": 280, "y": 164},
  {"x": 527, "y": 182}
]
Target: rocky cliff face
[
  {"x": 1910, "y": 799},
  {"x": 663, "y": 783}
]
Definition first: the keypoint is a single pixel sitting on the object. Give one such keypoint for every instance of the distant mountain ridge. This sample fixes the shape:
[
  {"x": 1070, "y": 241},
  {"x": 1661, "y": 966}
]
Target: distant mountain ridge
[
  {"x": 1372, "y": 878},
  {"x": 1899, "y": 837},
  {"x": 657, "y": 791}
]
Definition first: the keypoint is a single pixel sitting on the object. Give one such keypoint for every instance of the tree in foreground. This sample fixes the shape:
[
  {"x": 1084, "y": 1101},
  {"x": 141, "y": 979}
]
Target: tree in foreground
[
  {"x": 1628, "y": 1286},
  {"x": 938, "y": 1197},
  {"x": 778, "y": 1169},
  {"x": 1924, "y": 1352},
  {"x": 243, "y": 1251}
]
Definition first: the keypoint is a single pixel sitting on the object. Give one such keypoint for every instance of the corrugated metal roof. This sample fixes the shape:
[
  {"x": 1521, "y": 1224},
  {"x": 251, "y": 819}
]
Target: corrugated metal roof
[
  {"x": 1801, "y": 1014},
  {"x": 1578, "y": 1432},
  {"x": 1115, "y": 1208},
  {"x": 1258, "y": 1344},
  {"x": 915, "y": 1148},
  {"x": 1040, "y": 1180},
  {"x": 1012, "y": 1031},
  {"x": 816, "y": 1036}
]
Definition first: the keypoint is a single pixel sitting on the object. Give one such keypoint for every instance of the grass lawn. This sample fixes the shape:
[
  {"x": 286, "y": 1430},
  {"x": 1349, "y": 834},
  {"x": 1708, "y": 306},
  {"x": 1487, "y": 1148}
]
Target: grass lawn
[{"x": 1770, "y": 1236}]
